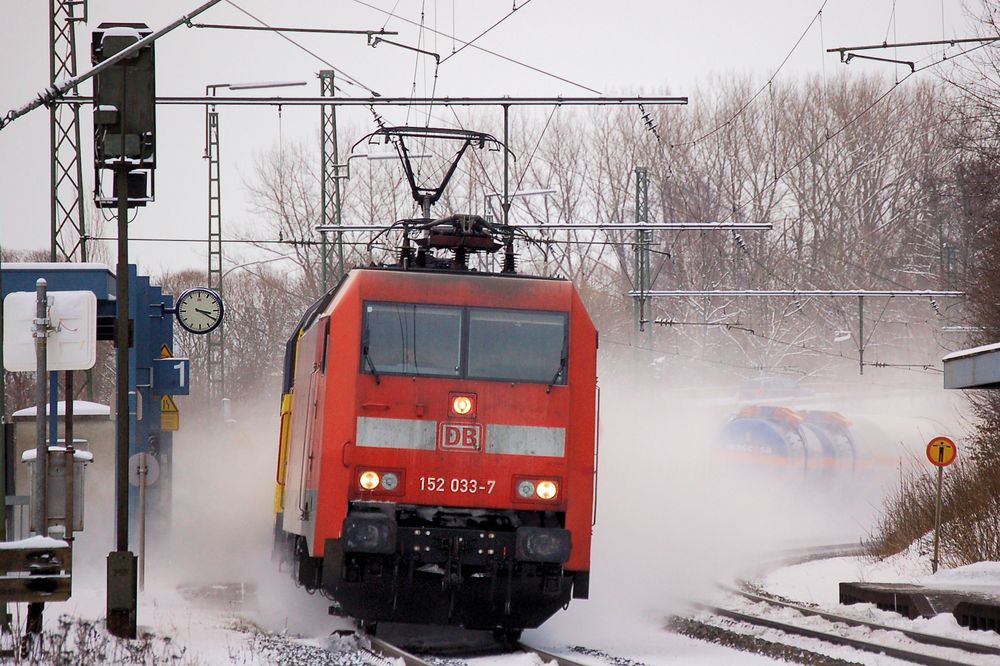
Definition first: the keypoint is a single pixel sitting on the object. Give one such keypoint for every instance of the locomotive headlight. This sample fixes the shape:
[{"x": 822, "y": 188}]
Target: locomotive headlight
[
  {"x": 462, "y": 405},
  {"x": 546, "y": 490},
  {"x": 390, "y": 481},
  {"x": 525, "y": 489},
  {"x": 369, "y": 480}
]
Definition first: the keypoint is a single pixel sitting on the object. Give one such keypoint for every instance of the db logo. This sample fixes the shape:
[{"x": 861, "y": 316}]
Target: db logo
[{"x": 460, "y": 436}]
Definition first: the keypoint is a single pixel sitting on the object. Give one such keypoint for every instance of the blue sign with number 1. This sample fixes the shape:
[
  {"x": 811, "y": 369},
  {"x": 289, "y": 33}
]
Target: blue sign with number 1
[{"x": 171, "y": 376}]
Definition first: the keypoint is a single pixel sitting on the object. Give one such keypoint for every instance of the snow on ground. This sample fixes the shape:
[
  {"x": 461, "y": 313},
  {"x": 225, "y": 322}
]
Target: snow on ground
[
  {"x": 216, "y": 632},
  {"x": 818, "y": 583},
  {"x": 299, "y": 631},
  {"x": 670, "y": 524}
]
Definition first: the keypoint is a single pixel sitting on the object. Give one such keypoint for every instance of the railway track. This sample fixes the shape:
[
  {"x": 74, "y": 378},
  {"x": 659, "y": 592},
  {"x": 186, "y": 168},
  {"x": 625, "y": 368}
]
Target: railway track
[
  {"x": 386, "y": 650},
  {"x": 841, "y": 630}
]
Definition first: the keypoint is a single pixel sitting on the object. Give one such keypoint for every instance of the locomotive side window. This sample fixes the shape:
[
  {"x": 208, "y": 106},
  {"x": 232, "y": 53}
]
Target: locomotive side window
[
  {"x": 517, "y": 345},
  {"x": 411, "y": 339}
]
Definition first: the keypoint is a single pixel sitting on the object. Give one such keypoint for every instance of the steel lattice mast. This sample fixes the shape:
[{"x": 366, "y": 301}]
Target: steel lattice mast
[
  {"x": 216, "y": 340},
  {"x": 329, "y": 182},
  {"x": 643, "y": 239},
  {"x": 68, "y": 231}
]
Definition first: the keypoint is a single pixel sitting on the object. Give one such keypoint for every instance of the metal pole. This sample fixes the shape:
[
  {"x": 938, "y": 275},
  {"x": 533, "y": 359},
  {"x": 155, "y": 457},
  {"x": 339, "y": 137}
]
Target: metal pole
[
  {"x": 53, "y": 148},
  {"x": 53, "y": 410},
  {"x": 38, "y": 499},
  {"x": 641, "y": 251},
  {"x": 142, "y": 522},
  {"x": 325, "y": 76},
  {"x": 69, "y": 455},
  {"x": 57, "y": 90},
  {"x": 505, "y": 205},
  {"x": 64, "y": 136},
  {"x": 330, "y": 199},
  {"x": 216, "y": 339},
  {"x": 337, "y": 203},
  {"x": 861, "y": 334},
  {"x": 122, "y": 342},
  {"x": 5, "y": 618},
  {"x": 3, "y": 372},
  {"x": 937, "y": 522},
  {"x": 121, "y": 596}
]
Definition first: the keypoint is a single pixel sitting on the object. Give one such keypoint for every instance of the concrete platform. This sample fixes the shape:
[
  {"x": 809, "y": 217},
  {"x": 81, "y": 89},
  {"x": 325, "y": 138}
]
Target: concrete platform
[{"x": 976, "y": 609}]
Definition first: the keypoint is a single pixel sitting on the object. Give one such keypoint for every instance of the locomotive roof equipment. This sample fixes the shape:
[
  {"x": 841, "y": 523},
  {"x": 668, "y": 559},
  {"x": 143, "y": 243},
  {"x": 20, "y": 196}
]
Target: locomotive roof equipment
[{"x": 459, "y": 234}]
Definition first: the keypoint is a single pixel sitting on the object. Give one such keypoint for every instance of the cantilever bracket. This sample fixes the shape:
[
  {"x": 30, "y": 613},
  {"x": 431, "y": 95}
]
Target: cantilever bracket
[
  {"x": 846, "y": 57},
  {"x": 374, "y": 41}
]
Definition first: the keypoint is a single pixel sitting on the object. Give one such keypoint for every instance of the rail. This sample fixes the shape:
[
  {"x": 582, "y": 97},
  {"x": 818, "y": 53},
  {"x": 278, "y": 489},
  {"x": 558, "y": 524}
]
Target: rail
[{"x": 914, "y": 654}]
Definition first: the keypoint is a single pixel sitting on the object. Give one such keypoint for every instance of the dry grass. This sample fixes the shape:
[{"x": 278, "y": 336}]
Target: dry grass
[
  {"x": 970, "y": 514},
  {"x": 76, "y": 642}
]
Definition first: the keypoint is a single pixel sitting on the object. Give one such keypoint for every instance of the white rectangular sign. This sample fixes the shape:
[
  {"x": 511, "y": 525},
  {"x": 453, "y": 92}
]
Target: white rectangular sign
[{"x": 72, "y": 341}]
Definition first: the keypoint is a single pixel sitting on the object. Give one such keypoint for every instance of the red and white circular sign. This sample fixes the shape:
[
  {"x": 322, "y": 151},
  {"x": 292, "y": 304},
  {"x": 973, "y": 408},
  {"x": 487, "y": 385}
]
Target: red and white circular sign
[{"x": 941, "y": 451}]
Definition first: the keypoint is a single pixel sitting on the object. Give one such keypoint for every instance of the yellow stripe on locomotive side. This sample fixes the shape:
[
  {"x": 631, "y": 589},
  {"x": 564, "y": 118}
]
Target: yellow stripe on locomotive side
[{"x": 284, "y": 438}]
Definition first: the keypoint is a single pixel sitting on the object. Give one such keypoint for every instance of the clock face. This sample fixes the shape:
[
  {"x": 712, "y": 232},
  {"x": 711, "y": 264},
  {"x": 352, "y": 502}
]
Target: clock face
[{"x": 199, "y": 310}]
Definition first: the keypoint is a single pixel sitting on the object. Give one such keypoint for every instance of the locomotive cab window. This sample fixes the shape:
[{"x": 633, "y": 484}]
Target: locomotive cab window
[
  {"x": 411, "y": 339},
  {"x": 479, "y": 343},
  {"x": 517, "y": 345}
]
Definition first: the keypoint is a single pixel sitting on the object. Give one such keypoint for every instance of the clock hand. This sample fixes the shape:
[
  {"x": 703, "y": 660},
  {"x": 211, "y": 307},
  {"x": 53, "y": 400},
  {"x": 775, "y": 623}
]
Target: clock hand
[{"x": 206, "y": 313}]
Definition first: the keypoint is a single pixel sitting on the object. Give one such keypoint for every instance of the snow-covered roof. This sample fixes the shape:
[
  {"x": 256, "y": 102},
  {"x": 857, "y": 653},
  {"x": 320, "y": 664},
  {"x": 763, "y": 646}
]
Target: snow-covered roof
[
  {"x": 78, "y": 454},
  {"x": 55, "y": 266},
  {"x": 977, "y": 368},
  {"x": 80, "y": 408},
  {"x": 122, "y": 31},
  {"x": 975, "y": 351}
]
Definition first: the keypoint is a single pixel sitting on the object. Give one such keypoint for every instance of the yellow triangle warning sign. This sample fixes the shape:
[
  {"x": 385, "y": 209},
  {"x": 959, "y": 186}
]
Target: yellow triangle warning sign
[
  {"x": 165, "y": 352},
  {"x": 170, "y": 416}
]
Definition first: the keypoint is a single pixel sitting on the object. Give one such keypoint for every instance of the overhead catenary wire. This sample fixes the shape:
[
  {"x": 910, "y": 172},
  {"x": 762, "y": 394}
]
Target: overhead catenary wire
[
  {"x": 827, "y": 353},
  {"x": 484, "y": 32},
  {"x": 817, "y": 16},
  {"x": 911, "y": 367},
  {"x": 379, "y": 100},
  {"x": 702, "y": 359},
  {"x": 264, "y": 28},
  {"x": 802, "y": 293},
  {"x": 252, "y": 241},
  {"x": 390, "y": 14},
  {"x": 577, "y": 226},
  {"x": 484, "y": 50},
  {"x": 350, "y": 79},
  {"x": 541, "y": 135},
  {"x": 850, "y": 122}
]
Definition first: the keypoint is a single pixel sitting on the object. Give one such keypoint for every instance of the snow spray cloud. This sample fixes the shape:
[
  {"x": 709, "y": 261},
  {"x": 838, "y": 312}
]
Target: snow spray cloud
[
  {"x": 224, "y": 518},
  {"x": 674, "y": 517}
]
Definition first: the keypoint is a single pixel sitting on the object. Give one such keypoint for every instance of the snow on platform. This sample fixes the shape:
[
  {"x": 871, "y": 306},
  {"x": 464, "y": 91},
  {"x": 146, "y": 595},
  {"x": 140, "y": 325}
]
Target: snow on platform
[
  {"x": 37, "y": 541},
  {"x": 80, "y": 408}
]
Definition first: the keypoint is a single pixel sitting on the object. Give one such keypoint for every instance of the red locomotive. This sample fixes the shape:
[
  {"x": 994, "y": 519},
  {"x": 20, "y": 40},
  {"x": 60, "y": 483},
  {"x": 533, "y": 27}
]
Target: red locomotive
[{"x": 438, "y": 429}]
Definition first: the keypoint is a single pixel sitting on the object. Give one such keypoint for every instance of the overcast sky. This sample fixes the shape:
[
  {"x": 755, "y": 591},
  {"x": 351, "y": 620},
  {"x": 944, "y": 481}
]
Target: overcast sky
[{"x": 624, "y": 47}]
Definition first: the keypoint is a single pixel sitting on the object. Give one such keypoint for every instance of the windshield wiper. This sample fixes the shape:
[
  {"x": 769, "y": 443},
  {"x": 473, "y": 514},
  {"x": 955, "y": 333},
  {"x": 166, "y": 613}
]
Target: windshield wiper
[
  {"x": 368, "y": 359},
  {"x": 562, "y": 368}
]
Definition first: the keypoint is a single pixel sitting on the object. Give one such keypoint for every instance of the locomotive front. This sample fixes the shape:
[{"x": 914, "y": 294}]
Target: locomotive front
[{"x": 438, "y": 448}]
